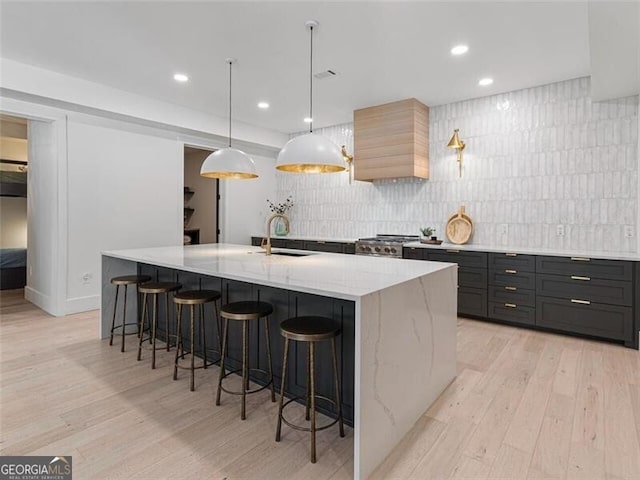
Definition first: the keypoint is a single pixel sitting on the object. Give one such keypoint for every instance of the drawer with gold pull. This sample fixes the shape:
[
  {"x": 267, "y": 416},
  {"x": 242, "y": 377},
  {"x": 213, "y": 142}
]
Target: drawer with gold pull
[
  {"x": 512, "y": 277},
  {"x": 517, "y": 261},
  {"x": 511, "y": 294},
  {"x": 583, "y": 316},
  {"x": 585, "y": 267},
  {"x": 580, "y": 287},
  {"x": 512, "y": 312}
]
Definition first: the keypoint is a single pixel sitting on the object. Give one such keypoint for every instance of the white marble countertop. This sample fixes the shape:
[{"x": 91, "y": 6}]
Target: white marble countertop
[
  {"x": 528, "y": 251},
  {"x": 348, "y": 277}
]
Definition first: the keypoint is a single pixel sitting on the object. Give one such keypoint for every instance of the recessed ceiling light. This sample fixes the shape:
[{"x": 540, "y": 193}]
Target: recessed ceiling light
[
  {"x": 459, "y": 50},
  {"x": 485, "y": 81},
  {"x": 180, "y": 77},
  {"x": 263, "y": 105},
  {"x": 308, "y": 119}
]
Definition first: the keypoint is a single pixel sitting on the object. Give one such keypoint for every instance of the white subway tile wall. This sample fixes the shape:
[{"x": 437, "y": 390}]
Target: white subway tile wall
[{"x": 539, "y": 162}]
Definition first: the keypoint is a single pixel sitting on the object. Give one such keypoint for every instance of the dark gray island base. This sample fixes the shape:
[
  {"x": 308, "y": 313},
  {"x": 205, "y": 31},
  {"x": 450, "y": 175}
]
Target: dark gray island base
[{"x": 286, "y": 304}]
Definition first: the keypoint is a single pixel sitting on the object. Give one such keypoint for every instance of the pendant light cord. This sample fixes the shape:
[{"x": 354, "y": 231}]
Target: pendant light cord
[
  {"x": 311, "y": 83},
  {"x": 230, "y": 63}
]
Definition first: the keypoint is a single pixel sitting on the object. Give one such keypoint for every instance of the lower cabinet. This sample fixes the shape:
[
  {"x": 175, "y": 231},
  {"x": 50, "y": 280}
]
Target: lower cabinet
[
  {"x": 472, "y": 301},
  {"x": 312, "y": 245},
  {"x": 594, "y": 297},
  {"x": 599, "y": 320}
]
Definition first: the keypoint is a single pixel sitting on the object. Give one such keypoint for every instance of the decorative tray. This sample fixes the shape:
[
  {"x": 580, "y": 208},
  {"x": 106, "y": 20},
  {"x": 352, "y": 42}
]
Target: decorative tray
[
  {"x": 459, "y": 227},
  {"x": 430, "y": 242}
]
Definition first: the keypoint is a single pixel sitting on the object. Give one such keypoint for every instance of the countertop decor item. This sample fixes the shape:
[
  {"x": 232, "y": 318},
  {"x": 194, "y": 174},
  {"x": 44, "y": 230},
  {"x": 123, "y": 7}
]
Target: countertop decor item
[
  {"x": 228, "y": 162},
  {"x": 459, "y": 227},
  {"x": 310, "y": 153},
  {"x": 280, "y": 227},
  {"x": 459, "y": 145},
  {"x": 429, "y": 237}
]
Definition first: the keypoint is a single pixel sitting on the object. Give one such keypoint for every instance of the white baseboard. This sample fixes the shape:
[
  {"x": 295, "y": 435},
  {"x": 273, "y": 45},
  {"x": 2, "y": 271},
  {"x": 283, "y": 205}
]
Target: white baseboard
[
  {"x": 82, "y": 304},
  {"x": 40, "y": 300}
]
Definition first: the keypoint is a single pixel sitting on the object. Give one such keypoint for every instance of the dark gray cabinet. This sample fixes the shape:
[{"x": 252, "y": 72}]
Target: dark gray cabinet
[
  {"x": 512, "y": 283},
  {"x": 472, "y": 278},
  {"x": 313, "y": 245},
  {"x": 579, "y": 295}
]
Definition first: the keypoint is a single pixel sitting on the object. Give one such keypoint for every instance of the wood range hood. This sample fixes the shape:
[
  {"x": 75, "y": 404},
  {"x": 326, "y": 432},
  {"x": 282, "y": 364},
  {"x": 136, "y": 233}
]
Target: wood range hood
[{"x": 391, "y": 141}]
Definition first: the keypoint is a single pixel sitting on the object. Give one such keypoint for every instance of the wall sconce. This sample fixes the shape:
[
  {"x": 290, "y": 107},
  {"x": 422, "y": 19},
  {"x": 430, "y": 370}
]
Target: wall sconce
[
  {"x": 459, "y": 145},
  {"x": 348, "y": 160}
]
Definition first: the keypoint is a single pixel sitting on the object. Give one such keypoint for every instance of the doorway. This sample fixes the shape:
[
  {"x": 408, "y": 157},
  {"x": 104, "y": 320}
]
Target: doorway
[
  {"x": 13, "y": 203},
  {"x": 201, "y": 200}
]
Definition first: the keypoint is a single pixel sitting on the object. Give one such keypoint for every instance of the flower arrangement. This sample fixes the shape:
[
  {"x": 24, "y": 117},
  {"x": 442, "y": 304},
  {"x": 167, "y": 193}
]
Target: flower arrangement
[{"x": 281, "y": 208}]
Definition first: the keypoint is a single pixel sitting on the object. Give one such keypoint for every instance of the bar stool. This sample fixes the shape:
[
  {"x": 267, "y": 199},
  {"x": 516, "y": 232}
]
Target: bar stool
[
  {"x": 155, "y": 289},
  {"x": 125, "y": 280},
  {"x": 193, "y": 299},
  {"x": 310, "y": 329},
  {"x": 245, "y": 312}
]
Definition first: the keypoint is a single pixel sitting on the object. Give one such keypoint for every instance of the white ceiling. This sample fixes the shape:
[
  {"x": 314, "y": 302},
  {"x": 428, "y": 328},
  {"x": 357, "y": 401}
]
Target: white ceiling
[{"x": 382, "y": 51}]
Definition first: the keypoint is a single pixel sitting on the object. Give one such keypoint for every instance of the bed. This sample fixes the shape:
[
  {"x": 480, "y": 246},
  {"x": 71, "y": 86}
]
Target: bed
[
  {"x": 13, "y": 184},
  {"x": 13, "y": 268}
]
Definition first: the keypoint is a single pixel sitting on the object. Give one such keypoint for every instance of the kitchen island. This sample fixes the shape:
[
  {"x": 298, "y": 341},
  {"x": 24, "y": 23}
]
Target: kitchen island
[{"x": 398, "y": 318}]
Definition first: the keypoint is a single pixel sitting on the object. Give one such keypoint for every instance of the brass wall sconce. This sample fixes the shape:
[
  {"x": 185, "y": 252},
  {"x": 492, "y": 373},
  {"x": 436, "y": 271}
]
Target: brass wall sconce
[
  {"x": 459, "y": 145},
  {"x": 348, "y": 160}
]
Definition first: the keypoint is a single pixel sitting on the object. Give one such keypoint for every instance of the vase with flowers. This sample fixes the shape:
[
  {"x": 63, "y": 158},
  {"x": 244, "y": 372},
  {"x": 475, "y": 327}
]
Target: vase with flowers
[{"x": 281, "y": 208}]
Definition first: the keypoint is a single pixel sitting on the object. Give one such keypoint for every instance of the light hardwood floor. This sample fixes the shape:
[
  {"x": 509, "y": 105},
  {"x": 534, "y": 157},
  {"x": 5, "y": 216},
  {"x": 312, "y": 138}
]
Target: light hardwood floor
[{"x": 525, "y": 405}]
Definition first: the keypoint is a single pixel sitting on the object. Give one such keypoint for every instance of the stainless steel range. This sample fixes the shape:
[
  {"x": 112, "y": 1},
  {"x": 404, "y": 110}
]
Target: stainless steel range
[{"x": 384, "y": 245}]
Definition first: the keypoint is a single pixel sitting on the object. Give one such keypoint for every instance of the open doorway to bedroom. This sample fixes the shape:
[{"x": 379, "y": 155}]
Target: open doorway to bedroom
[
  {"x": 201, "y": 200},
  {"x": 13, "y": 203}
]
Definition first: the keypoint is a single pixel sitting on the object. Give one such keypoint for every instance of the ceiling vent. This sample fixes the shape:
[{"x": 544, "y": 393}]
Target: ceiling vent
[{"x": 325, "y": 74}]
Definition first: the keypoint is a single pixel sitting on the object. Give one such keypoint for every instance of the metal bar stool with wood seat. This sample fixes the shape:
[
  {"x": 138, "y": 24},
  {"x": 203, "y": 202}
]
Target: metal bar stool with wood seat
[
  {"x": 156, "y": 289},
  {"x": 125, "y": 280},
  {"x": 310, "y": 329},
  {"x": 245, "y": 312},
  {"x": 193, "y": 299}
]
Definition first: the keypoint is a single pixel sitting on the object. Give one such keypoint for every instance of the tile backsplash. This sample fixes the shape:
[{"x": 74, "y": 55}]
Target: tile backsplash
[{"x": 539, "y": 162}]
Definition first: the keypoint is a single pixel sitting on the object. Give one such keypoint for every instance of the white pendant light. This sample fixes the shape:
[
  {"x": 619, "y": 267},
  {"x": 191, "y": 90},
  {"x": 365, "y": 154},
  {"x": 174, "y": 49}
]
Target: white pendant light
[
  {"x": 228, "y": 162},
  {"x": 310, "y": 153}
]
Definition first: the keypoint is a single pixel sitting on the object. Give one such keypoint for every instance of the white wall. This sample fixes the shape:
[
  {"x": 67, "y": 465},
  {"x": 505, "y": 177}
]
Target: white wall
[
  {"x": 124, "y": 191},
  {"x": 203, "y": 201},
  {"x": 13, "y": 222},
  {"x": 243, "y": 203},
  {"x": 45, "y": 280},
  {"x": 552, "y": 157}
]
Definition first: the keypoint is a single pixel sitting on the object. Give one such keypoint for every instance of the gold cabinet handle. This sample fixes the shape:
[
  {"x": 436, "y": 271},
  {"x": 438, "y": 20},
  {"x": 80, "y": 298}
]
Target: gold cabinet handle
[
  {"x": 581, "y": 302},
  {"x": 511, "y": 305},
  {"x": 511, "y": 271},
  {"x": 513, "y": 289},
  {"x": 321, "y": 241},
  {"x": 453, "y": 251},
  {"x": 511, "y": 254},
  {"x": 578, "y": 277},
  {"x": 580, "y": 259}
]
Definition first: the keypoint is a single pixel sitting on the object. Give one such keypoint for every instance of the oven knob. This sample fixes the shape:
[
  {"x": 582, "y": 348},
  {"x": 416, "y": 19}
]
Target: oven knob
[
  {"x": 386, "y": 250},
  {"x": 362, "y": 248},
  {"x": 393, "y": 250},
  {"x": 377, "y": 249},
  {"x": 368, "y": 249}
]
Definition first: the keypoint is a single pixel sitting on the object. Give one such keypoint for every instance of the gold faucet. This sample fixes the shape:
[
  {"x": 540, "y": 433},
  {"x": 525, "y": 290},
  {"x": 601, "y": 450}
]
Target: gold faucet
[{"x": 266, "y": 242}]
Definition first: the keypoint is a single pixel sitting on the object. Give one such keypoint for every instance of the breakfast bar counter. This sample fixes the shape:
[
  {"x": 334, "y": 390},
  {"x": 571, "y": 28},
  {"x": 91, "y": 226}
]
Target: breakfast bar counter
[{"x": 398, "y": 318}]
